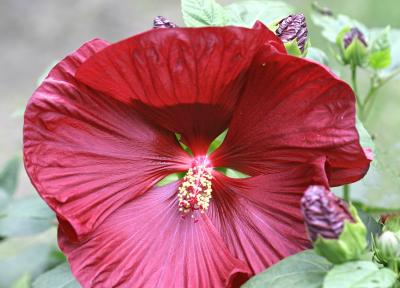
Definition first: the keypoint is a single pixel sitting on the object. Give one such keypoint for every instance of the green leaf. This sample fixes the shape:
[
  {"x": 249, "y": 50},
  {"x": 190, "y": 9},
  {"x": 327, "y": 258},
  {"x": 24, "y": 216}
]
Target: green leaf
[
  {"x": 23, "y": 282},
  {"x": 380, "y": 59},
  {"x": 380, "y": 187},
  {"x": 380, "y": 56},
  {"x": 246, "y": 13},
  {"x": 25, "y": 216},
  {"x": 4, "y": 199},
  {"x": 365, "y": 138},
  {"x": 197, "y": 13},
  {"x": 25, "y": 255},
  {"x": 394, "y": 40},
  {"x": 59, "y": 277},
  {"x": 9, "y": 175},
  {"x": 359, "y": 274},
  {"x": 332, "y": 26},
  {"x": 57, "y": 257},
  {"x": 303, "y": 270},
  {"x": 373, "y": 227}
]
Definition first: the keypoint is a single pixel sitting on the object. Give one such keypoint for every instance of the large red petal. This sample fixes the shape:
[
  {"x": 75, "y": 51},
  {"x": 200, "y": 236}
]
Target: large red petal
[
  {"x": 85, "y": 152},
  {"x": 186, "y": 80},
  {"x": 259, "y": 218},
  {"x": 146, "y": 243},
  {"x": 293, "y": 110}
]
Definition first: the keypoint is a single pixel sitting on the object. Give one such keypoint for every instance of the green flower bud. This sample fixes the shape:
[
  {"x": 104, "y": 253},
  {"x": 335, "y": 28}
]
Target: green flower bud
[
  {"x": 389, "y": 243},
  {"x": 352, "y": 46},
  {"x": 387, "y": 248},
  {"x": 336, "y": 230}
]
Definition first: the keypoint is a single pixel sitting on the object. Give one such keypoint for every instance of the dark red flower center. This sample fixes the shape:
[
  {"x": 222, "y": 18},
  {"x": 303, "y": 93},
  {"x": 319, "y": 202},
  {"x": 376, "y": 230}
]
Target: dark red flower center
[{"x": 194, "y": 193}]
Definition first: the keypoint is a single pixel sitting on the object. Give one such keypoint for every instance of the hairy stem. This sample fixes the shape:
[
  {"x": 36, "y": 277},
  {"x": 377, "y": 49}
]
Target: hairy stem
[
  {"x": 369, "y": 103},
  {"x": 346, "y": 193},
  {"x": 376, "y": 84},
  {"x": 354, "y": 84}
]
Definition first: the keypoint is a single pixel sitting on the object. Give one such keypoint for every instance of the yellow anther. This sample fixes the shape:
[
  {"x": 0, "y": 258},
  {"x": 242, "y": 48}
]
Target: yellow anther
[{"x": 194, "y": 194}]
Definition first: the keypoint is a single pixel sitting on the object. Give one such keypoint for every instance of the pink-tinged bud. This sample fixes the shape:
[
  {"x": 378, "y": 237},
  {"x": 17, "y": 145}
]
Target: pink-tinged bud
[
  {"x": 324, "y": 213},
  {"x": 386, "y": 250},
  {"x": 162, "y": 22},
  {"x": 353, "y": 34},
  {"x": 291, "y": 28}
]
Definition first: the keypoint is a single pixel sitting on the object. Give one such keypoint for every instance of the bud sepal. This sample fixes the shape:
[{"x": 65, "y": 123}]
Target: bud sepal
[
  {"x": 386, "y": 250},
  {"x": 350, "y": 245},
  {"x": 293, "y": 48},
  {"x": 392, "y": 223}
]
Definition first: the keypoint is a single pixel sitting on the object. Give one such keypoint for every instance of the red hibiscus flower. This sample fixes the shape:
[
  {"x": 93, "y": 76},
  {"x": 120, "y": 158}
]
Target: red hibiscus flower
[{"x": 99, "y": 134}]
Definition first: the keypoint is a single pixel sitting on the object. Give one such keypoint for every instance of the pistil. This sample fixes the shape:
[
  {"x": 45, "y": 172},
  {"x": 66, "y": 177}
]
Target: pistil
[{"x": 194, "y": 194}]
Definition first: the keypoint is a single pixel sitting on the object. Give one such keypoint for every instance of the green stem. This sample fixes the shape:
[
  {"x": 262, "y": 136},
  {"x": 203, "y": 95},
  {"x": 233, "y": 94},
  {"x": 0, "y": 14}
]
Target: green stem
[
  {"x": 346, "y": 193},
  {"x": 394, "y": 266},
  {"x": 370, "y": 98},
  {"x": 391, "y": 76},
  {"x": 376, "y": 84},
  {"x": 354, "y": 84},
  {"x": 369, "y": 103},
  {"x": 346, "y": 187}
]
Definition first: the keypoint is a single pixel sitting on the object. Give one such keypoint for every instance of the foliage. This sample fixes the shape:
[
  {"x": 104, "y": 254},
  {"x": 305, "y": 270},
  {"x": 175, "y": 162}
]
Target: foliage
[
  {"x": 350, "y": 245},
  {"x": 25, "y": 216},
  {"x": 26, "y": 255},
  {"x": 9, "y": 176},
  {"x": 27, "y": 227},
  {"x": 382, "y": 66},
  {"x": 380, "y": 56},
  {"x": 246, "y": 13},
  {"x": 359, "y": 274},
  {"x": 376, "y": 57},
  {"x": 198, "y": 13},
  {"x": 305, "y": 269},
  {"x": 58, "y": 277}
]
